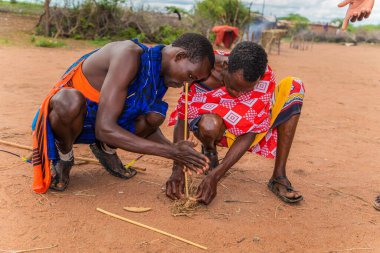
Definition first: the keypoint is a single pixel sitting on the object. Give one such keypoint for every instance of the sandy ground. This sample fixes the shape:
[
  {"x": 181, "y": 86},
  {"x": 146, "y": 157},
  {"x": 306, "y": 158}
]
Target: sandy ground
[{"x": 334, "y": 161}]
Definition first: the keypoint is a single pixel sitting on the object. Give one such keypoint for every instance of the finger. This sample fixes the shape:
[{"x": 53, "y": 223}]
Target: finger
[
  {"x": 188, "y": 170},
  {"x": 169, "y": 192},
  {"x": 344, "y": 3},
  {"x": 200, "y": 171},
  {"x": 182, "y": 188},
  {"x": 178, "y": 190},
  {"x": 203, "y": 198},
  {"x": 201, "y": 158},
  {"x": 361, "y": 16},
  {"x": 174, "y": 190},
  {"x": 195, "y": 162},
  {"x": 354, "y": 16},
  {"x": 189, "y": 166},
  {"x": 367, "y": 14},
  {"x": 199, "y": 192},
  {"x": 200, "y": 198},
  {"x": 210, "y": 198},
  {"x": 345, "y": 23}
]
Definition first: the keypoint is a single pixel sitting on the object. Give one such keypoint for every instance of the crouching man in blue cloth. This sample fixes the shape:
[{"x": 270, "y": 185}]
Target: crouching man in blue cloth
[{"x": 112, "y": 98}]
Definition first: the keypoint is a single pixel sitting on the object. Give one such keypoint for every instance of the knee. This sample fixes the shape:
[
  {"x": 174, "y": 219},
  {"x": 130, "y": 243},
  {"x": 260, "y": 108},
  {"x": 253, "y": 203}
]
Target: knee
[
  {"x": 67, "y": 105},
  {"x": 211, "y": 126},
  {"x": 154, "y": 120}
]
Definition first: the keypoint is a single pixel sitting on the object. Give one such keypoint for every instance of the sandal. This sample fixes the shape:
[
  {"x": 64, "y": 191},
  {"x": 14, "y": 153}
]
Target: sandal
[
  {"x": 289, "y": 188},
  {"x": 60, "y": 182},
  {"x": 376, "y": 203},
  {"x": 112, "y": 163},
  {"x": 212, "y": 156}
]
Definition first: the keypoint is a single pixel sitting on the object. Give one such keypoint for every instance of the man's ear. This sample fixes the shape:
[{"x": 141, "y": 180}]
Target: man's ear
[{"x": 180, "y": 56}]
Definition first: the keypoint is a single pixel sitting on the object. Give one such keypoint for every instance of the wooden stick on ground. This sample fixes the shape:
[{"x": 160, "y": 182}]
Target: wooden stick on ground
[
  {"x": 79, "y": 158},
  {"x": 185, "y": 136},
  {"x": 151, "y": 228},
  {"x": 16, "y": 145},
  {"x": 28, "y": 250}
]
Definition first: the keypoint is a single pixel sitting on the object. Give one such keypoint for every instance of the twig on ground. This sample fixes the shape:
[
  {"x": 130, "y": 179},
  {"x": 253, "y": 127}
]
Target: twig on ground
[
  {"x": 351, "y": 249},
  {"x": 223, "y": 186},
  {"x": 349, "y": 194},
  {"x": 151, "y": 228},
  {"x": 149, "y": 182},
  {"x": 29, "y": 250},
  {"x": 238, "y": 201},
  {"x": 85, "y": 195},
  {"x": 275, "y": 212},
  {"x": 262, "y": 194}
]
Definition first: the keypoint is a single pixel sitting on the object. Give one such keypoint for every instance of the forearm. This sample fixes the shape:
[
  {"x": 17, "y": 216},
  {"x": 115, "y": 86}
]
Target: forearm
[
  {"x": 118, "y": 137},
  {"x": 240, "y": 146}
]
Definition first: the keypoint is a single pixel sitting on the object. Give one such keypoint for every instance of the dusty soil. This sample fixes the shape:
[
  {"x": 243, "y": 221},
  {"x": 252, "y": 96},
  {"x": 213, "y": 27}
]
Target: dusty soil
[{"x": 334, "y": 161}]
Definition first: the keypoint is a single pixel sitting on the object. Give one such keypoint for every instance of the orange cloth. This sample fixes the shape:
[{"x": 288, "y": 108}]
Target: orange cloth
[
  {"x": 81, "y": 83},
  {"x": 41, "y": 163},
  {"x": 226, "y": 34}
]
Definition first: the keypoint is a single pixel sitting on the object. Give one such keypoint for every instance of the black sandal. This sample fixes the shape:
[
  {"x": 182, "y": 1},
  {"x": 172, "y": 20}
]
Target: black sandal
[
  {"x": 110, "y": 161},
  {"x": 376, "y": 203},
  {"x": 289, "y": 188},
  {"x": 212, "y": 156},
  {"x": 56, "y": 182}
]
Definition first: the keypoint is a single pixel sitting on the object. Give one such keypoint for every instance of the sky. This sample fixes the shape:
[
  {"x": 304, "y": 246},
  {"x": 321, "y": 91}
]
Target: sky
[{"x": 315, "y": 10}]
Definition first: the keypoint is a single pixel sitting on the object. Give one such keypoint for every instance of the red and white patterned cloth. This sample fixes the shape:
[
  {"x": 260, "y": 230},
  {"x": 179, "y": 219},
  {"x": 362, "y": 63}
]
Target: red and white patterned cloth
[{"x": 249, "y": 112}]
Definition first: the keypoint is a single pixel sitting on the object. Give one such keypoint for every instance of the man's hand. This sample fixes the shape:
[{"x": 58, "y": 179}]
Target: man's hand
[
  {"x": 357, "y": 10},
  {"x": 186, "y": 155},
  {"x": 176, "y": 183},
  {"x": 207, "y": 189}
]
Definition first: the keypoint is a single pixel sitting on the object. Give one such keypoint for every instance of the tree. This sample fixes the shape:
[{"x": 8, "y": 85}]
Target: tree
[
  {"x": 295, "y": 18},
  {"x": 230, "y": 12},
  {"x": 176, "y": 10},
  {"x": 300, "y": 22},
  {"x": 47, "y": 17}
]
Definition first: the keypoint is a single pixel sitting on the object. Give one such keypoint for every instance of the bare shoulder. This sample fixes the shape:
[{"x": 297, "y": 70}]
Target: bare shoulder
[
  {"x": 119, "y": 60},
  {"x": 123, "y": 48}
]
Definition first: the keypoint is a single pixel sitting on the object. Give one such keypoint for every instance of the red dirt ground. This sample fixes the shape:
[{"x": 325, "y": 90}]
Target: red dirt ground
[{"x": 334, "y": 162}]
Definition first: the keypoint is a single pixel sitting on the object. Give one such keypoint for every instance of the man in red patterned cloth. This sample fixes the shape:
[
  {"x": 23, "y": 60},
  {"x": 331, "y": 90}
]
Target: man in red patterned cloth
[{"x": 241, "y": 107}]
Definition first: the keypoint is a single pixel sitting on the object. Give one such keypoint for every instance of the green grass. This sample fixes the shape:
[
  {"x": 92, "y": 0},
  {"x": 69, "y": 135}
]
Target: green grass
[
  {"x": 100, "y": 42},
  {"x": 4, "y": 41},
  {"x": 22, "y": 8},
  {"x": 369, "y": 28},
  {"x": 48, "y": 43}
]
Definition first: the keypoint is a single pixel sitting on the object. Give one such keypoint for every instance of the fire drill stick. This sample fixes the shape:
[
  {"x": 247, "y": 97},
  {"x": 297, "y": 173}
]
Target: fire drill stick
[{"x": 185, "y": 136}]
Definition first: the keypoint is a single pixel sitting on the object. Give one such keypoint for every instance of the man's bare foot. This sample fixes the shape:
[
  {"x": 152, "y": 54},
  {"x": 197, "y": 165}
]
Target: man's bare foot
[
  {"x": 112, "y": 163},
  {"x": 61, "y": 175},
  {"x": 283, "y": 189},
  {"x": 376, "y": 203}
]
